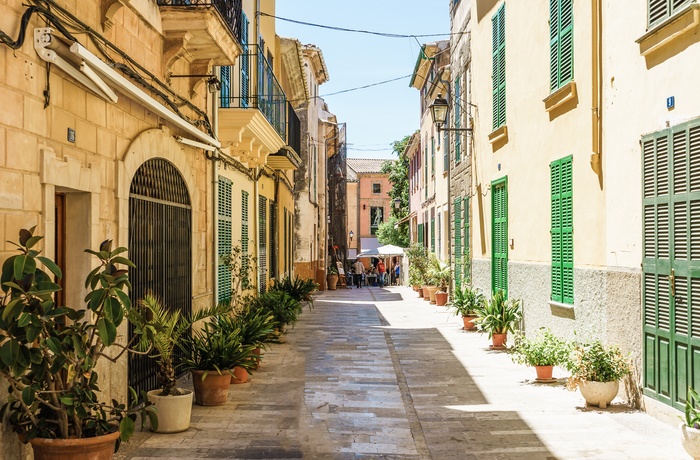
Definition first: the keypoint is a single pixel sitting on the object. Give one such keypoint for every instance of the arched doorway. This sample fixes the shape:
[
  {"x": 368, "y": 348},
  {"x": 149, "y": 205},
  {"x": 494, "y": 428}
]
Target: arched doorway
[{"x": 160, "y": 245}]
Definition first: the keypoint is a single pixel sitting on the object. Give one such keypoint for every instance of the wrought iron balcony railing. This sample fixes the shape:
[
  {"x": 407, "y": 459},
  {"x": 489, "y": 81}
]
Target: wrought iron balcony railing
[
  {"x": 258, "y": 88},
  {"x": 293, "y": 129},
  {"x": 230, "y": 11}
]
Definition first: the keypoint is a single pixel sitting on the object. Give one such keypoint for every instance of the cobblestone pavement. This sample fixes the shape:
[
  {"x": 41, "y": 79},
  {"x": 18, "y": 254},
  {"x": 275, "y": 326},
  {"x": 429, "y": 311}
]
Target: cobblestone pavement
[{"x": 379, "y": 374}]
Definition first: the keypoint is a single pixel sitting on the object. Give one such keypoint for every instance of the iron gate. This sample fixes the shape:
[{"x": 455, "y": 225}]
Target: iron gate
[{"x": 160, "y": 245}]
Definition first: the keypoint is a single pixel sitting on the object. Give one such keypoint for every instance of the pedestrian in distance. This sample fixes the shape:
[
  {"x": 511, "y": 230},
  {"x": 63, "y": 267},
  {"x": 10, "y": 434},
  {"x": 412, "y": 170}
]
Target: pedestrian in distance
[
  {"x": 381, "y": 269},
  {"x": 397, "y": 273},
  {"x": 359, "y": 271}
]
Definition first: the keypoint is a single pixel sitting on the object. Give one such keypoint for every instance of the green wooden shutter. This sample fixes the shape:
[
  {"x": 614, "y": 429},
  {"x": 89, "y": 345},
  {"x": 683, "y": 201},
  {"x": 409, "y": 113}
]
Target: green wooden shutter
[
  {"x": 432, "y": 156},
  {"x": 466, "y": 241},
  {"x": 262, "y": 243},
  {"x": 562, "y": 230},
  {"x": 458, "y": 241},
  {"x": 245, "y": 62},
  {"x": 498, "y": 24},
  {"x": 555, "y": 180},
  {"x": 561, "y": 44},
  {"x": 420, "y": 234},
  {"x": 432, "y": 234},
  {"x": 224, "y": 243},
  {"x": 499, "y": 225},
  {"x": 458, "y": 118}
]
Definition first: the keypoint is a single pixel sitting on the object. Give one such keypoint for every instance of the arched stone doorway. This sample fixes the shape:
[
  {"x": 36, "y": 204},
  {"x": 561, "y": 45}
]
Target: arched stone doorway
[{"x": 160, "y": 245}]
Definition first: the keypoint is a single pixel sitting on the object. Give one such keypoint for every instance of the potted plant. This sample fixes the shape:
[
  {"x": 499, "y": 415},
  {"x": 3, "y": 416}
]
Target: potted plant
[
  {"x": 543, "y": 351},
  {"x": 596, "y": 370},
  {"x": 418, "y": 259},
  {"x": 690, "y": 428},
  {"x": 332, "y": 277},
  {"x": 465, "y": 302},
  {"x": 173, "y": 404},
  {"x": 441, "y": 273},
  {"x": 50, "y": 353},
  {"x": 498, "y": 317},
  {"x": 299, "y": 289},
  {"x": 211, "y": 353},
  {"x": 414, "y": 280}
]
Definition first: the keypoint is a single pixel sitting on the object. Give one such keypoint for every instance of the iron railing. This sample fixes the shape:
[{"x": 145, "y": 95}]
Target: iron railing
[
  {"x": 230, "y": 11},
  {"x": 258, "y": 88},
  {"x": 293, "y": 129}
]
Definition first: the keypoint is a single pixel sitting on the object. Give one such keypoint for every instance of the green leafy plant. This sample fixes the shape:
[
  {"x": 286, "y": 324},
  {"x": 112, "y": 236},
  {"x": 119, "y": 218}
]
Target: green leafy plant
[
  {"x": 440, "y": 273},
  {"x": 216, "y": 348},
  {"x": 418, "y": 259},
  {"x": 595, "y": 362},
  {"x": 692, "y": 411},
  {"x": 171, "y": 326},
  {"x": 499, "y": 315},
  {"x": 332, "y": 270},
  {"x": 281, "y": 305},
  {"x": 299, "y": 289},
  {"x": 544, "y": 349},
  {"x": 49, "y": 353},
  {"x": 243, "y": 268},
  {"x": 467, "y": 301}
]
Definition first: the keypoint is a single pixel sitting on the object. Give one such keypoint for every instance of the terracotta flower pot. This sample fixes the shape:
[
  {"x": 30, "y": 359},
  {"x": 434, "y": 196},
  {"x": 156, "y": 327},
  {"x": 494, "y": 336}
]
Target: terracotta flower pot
[
  {"x": 240, "y": 375},
  {"x": 426, "y": 294},
  {"x": 332, "y": 280},
  {"x": 690, "y": 439},
  {"x": 469, "y": 324},
  {"x": 544, "y": 372},
  {"x": 415, "y": 287},
  {"x": 258, "y": 353},
  {"x": 441, "y": 298},
  {"x": 96, "y": 448},
  {"x": 599, "y": 393},
  {"x": 499, "y": 341},
  {"x": 420, "y": 292},
  {"x": 432, "y": 290},
  {"x": 173, "y": 411},
  {"x": 213, "y": 390}
]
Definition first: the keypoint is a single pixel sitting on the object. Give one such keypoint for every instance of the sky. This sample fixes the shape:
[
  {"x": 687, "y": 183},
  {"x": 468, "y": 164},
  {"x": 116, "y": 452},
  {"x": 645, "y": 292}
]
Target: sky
[{"x": 382, "y": 114}]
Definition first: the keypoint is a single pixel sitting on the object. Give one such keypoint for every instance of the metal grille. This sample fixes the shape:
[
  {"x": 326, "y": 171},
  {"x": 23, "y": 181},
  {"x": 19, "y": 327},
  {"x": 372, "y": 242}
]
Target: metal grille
[
  {"x": 160, "y": 244},
  {"x": 230, "y": 11}
]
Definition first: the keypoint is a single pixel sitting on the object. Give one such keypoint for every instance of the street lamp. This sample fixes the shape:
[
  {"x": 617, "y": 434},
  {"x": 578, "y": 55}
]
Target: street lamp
[
  {"x": 439, "y": 110},
  {"x": 351, "y": 235},
  {"x": 397, "y": 203}
]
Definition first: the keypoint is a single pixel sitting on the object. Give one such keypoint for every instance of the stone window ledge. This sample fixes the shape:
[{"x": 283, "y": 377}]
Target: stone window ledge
[
  {"x": 560, "y": 96},
  {"x": 565, "y": 306},
  {"x": 670, "y": 30},
  {"x": 499, "y": 135}
]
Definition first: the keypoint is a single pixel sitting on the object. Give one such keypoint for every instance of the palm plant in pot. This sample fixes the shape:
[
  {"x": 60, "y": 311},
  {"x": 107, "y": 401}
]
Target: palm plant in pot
[
  {"x": 466, "y": 302},
  {"x": 543, "y": 352},
  {"x": 49, "y": 353},
  {"x": 498, "y": 317},
  {"x": 211, "y": 353},
  {"x": 690, "y": 427},
  {"x": 173, "y": 404},
  {"x": 441, "y": 273},
  {"x": 596, "y": 370}
]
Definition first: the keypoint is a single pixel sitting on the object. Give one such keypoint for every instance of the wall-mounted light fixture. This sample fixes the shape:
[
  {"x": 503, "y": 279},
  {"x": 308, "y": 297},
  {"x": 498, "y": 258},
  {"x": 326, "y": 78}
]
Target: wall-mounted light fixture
[
  {"x": 397, "y": 203},
  {"x": 213, "y": 83},
  {"x": 351, "y": 235},
  {"x": 439, "y": 110}
]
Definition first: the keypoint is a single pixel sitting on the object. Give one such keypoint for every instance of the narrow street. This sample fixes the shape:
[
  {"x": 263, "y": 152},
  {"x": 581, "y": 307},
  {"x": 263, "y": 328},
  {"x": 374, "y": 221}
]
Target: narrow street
[{"x": 379, "y": 373}]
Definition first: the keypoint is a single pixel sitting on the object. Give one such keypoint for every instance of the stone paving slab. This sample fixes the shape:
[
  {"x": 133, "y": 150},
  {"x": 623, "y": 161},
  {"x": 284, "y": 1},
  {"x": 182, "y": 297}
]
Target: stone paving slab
[{"x": 380, "y": 374}]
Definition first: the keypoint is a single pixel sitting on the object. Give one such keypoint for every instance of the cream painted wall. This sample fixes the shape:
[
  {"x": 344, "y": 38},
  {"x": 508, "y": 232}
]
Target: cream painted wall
[{"x": 535, "y": 138}]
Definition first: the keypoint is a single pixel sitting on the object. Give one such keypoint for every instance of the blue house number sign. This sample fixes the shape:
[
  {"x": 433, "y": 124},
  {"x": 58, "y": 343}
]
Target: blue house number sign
[{"x": 670, "y": 102}]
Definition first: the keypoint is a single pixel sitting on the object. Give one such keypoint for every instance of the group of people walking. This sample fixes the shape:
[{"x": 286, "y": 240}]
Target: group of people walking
[{"x": 361, "y": 274}]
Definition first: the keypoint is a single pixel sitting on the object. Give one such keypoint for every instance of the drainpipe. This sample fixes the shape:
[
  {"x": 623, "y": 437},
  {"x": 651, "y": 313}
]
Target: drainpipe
[
  {"x": 448, "y": 233},
  {"x": 597, "y": 93}
]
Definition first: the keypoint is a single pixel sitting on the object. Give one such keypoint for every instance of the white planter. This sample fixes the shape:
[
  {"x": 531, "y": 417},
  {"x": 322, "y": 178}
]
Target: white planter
[
  {"x": 599, "y": 393},
  {"x": 173, "y": 411},
  {"x": 690, "y": 438}
]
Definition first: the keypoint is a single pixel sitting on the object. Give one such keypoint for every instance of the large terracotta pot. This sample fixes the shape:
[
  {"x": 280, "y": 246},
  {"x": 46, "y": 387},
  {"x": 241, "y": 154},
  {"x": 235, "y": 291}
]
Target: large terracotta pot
[
  {"x": 431, "y": 292},
  {"x": 96, "y": 448},
  {"x": 240, "y": 375},
  {"x": 420, "y": 292},
  {"x": 499, "y": 341},
  {"x": 599, "y": 393},
  {"x": 441, "y": 298},
  {"x": 332, "y": 280},
  {"x": 469, "y": 324},
  {"x": 258, "y": 356},
  {"x": 213, "y": 390},
  {"x": 544, "y": 372},
  {"x": 690, "y": 439},
  {"x": 173, "y": 411},
  {"x": 426, "y": 294}
]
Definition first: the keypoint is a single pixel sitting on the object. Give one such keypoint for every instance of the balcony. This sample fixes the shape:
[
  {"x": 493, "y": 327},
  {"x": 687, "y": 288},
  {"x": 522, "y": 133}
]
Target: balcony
[
  {"x": 253, "y": 114},
  {"x": 208, "y": 31},
  {"x": 288, "y": 156}
]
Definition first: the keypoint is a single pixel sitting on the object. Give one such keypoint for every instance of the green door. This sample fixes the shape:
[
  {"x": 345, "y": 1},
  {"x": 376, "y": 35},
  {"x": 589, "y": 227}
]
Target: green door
[
  {"x": 499, "y": 237},
  {"x": 671, "y": 266}
]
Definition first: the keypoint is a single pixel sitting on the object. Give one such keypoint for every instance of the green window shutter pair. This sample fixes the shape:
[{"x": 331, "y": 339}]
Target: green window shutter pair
[
  {"x": 662, "y": 9},
  {"x": 499, "y": 228},
  {"x": 561, "y": 43},
  {"x": 432, "y": 235},
  {"x": 262, "y": 243},
  {"x": 225, "y": 237},
  {"x": 420, "y": 234},
  {"x": 562, "y": 231},
  {"x": 432, "y": 156},
  {"x": 465, "y": 242},
  {"x": 498, "y": 25},
  {"x": 458, "y": 242},
  {"x": 458, "y": 118}
]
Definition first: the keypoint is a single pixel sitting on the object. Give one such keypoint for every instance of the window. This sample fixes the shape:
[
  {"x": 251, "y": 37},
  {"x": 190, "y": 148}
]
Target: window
[
  {"x": 245, "y": 63},
  {"x": 498, "y": 25},
  {"x": 376, "y": 188},
  {"x": 458, "y": 118},
  {"x": 662, "y": 9},
  {"x": 562, "y": 230},
  {"x": 457, "y": 232},
  {"x": 262, "y": 243},
  {"x": 376, "y": 217},
  {"x": 224, "y": 247},
  {"x": 499, "y": 235},
  {"x": 420, "y": 234},
  {"x": 446, "y": 152},
  {"x": 432, "y": 156},
  {"x": 561, "y": 43},
  {"x": 274, "y": 247}
]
